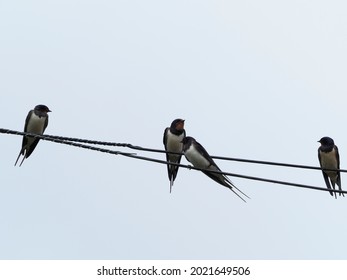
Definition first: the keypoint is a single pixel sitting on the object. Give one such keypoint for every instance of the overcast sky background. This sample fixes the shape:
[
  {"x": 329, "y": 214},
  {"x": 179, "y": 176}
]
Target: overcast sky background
[{"x": 253, "y": 79}]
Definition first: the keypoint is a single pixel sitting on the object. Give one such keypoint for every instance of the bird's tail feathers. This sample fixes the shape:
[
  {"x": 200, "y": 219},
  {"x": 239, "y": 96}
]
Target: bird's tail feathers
[
  {"x": 228, "y": 181},
  {"x": 171, "y": 183},
  {"x": 326, "y": 179},
  {"x": 341, "y": 190},
  {"x": 238, "y": 194},
  {"x": 333, "y": 187},
  {"x": 338, "y": 182},
  {"x": 22, "y": 152}
]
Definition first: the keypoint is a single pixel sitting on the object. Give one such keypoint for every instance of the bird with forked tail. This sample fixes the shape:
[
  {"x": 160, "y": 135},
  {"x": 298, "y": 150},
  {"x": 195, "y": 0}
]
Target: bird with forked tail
[
  {"x": 198, "y": 156},
  {"x": 36, "y": 122},
  {"x": 328, "y": 155},
  {"x": 172, "y": 139}
]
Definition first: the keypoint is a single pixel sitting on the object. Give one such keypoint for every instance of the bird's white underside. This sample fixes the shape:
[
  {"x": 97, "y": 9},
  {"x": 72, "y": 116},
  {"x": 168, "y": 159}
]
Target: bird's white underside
[
  {"x": 174, "y": 144},
  {"x": 328, "y": 160},
  {"x": 35, "y": 125},
  {"x": 196, "y": 158}
]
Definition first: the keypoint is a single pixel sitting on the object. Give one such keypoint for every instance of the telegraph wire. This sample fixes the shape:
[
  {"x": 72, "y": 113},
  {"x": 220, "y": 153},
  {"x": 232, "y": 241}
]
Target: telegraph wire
[
  {"x": 70, "y": 141},
  {"x": 61, "y": 140},
  {"x": 237, "y": 175},
  {"x": 139, "y": 148}
]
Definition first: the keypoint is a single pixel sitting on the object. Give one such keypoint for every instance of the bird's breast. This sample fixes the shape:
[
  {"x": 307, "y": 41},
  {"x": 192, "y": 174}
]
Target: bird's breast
[
  {"x": 196, "y": 158},
  {"x": 328, "y": 160},
  {"x": 174, "y": 142},
  {"x": 36, "y": 124}
]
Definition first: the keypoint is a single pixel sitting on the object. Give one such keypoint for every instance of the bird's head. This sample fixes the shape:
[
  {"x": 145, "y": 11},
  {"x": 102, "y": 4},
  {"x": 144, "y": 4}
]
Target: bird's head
[{"x": 326, "y": 141}]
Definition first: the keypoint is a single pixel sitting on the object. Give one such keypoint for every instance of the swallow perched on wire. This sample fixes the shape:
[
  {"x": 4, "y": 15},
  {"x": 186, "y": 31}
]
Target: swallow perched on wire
[
  {"x": 172, "y": 140},
  {"x": 198, "y": 156},
  {"x": 328, "y": 155},
  {"x": 36, "y": 122}
]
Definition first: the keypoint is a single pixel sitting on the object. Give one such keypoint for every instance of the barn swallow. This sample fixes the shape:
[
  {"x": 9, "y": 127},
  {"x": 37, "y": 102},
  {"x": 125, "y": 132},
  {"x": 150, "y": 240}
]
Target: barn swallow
[
  {"x": 328, "y": 155},
  {"x": 36, "y": 122},
  {"x": 172, "y": 140},
  {"x": 198, "y": 156}
]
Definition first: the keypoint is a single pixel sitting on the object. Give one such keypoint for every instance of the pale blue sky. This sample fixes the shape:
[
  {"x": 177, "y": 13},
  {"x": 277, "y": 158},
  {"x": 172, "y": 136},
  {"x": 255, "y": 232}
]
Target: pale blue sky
[{"x": 253, "y": 79}]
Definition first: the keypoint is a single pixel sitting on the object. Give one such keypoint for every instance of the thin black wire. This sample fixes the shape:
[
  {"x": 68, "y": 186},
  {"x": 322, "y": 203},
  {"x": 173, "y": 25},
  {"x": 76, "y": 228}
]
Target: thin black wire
[
  {"x": 236, "y": 175},
  {"x": 87, "y": 147},
  {"x": 44, "y": 136},
  {"x": 135, "y": 147},
  {"x": 62, "y": 140}
]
